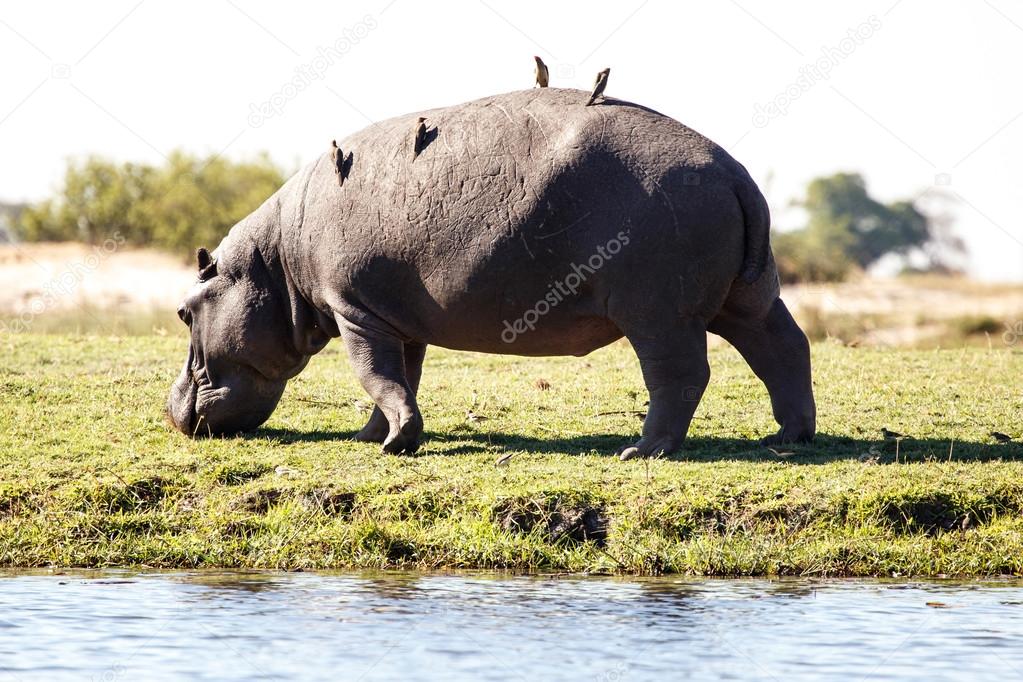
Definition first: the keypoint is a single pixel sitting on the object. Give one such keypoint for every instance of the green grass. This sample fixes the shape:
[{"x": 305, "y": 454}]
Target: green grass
[{"x": 90, "y": 474}]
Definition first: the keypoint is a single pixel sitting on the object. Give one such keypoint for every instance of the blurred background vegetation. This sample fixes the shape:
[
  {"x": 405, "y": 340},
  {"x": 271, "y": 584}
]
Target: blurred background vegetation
[
  {"x": 847, "y": 232},
  {"x": 191, "y": 201},
  {"x": 186, "y": 202},
  {"x": 828, "y": 239}
]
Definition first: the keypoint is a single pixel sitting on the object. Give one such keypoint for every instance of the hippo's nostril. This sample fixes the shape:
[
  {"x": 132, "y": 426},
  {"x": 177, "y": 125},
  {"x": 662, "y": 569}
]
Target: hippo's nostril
[{"x": 185, "y": 316}]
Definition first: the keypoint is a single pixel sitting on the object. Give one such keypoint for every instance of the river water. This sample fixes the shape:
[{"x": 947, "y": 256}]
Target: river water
[{"x": 374, "y": 626}]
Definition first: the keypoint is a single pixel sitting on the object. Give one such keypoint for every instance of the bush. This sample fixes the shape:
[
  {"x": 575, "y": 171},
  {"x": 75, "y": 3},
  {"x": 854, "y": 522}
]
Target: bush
[
  {"x": 187, "y": 202},
  {"x": 801, "y": 258}
]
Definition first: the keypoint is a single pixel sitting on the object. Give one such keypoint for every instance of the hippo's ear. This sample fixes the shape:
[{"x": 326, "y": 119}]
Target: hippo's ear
[{"x": 207, "y": 266}]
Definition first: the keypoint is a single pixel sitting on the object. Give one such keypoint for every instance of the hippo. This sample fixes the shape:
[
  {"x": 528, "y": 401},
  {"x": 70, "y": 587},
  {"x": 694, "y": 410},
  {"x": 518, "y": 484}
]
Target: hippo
[{"x": 527, "y": 224}]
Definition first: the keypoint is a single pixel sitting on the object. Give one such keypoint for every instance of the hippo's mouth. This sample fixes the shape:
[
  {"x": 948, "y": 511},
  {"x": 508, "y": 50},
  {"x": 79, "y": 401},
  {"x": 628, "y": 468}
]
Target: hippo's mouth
[
  {"x": 195, "y": 406},
  {"x": 232, "y": 399},
  {"x": 183, "y": 406}
]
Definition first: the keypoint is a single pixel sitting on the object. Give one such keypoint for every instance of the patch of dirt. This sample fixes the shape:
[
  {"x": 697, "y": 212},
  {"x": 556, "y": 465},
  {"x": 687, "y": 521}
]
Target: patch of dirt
[
  {"x": 36, "y": 278},
  {"x": 237, "y": 475},
  {"x": 191, "y": 502},
  {"x": 331, "y": 503},
  {"x": 243, "y": 528},
  {"x": 907, "y": 297},
  {"x": 932, "y": 513},
  {"x": 908, "y": 312},
  {"x": 257, "y": 501},
  {"x": 140, "y": 495},
  {"x": 553, "y": 519},
  {"x": 14, "y": 502}
]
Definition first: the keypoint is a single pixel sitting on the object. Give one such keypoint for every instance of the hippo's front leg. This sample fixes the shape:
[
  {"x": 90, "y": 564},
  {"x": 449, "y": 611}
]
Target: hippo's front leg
[
  {"x": 379, "y": 363},
  {"x": 377, "y": 428}
]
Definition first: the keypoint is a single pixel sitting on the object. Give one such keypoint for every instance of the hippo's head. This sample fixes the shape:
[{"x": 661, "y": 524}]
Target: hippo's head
[{"x": 243, "y": 345}]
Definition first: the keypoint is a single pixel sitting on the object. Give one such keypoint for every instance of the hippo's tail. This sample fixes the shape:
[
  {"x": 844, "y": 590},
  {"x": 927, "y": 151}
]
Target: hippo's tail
[{"x": 757, "y": 217}]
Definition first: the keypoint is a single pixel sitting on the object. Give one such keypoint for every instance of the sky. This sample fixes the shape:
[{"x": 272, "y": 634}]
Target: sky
[{"x": 922, "y": 97}]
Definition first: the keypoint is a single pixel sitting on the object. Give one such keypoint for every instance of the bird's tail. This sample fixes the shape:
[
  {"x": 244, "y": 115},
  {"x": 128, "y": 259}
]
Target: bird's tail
[{"x": 757, "y": 217}]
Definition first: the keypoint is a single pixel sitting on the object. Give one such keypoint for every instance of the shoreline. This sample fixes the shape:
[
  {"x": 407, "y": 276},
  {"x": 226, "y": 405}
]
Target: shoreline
[{"x": 92, "y": 476}]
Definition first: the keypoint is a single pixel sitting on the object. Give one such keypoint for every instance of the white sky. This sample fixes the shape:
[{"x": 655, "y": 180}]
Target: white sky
[{"x": 933, "y": 97}]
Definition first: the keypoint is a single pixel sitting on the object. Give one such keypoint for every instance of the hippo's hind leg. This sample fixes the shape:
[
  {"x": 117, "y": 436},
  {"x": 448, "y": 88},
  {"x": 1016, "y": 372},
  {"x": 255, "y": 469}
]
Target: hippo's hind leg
[
  {"x": 673, "y": 356},
  {"x": 777, "y": 351},
  {"x": 379, "y": 362},
  {"x": 377, "y": 429}
]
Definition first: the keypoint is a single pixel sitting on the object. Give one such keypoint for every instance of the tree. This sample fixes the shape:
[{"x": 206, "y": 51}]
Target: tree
[
  {"x": 187, "y": 202},
  {"x": 848, "y": 230}
]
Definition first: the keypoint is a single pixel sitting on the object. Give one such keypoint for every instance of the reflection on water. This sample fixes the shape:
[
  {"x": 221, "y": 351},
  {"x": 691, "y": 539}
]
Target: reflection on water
[{"x": 243, "y": 625}]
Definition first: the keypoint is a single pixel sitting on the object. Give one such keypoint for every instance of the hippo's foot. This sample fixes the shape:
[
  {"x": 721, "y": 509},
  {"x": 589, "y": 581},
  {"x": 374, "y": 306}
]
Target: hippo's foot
[
  {"x": 376, "y": 429},
  {"x": 787, "y": 435},
  {"x": 649, "y": 447},
  {"x": 406, "y": 438}
]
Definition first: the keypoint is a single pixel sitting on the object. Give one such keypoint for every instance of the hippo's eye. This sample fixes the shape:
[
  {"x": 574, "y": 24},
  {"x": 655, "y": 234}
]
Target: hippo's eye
[{"x": 208, "y": 272}]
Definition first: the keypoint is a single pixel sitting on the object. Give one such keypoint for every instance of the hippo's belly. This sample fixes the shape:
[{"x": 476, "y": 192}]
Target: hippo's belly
[{"x": 547, "y": 335}]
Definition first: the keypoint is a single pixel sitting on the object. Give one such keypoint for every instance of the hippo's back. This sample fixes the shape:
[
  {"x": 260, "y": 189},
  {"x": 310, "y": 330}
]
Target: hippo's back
[
  {"x": 515, "y": 143},
  {"x": 518, "y": 165}
]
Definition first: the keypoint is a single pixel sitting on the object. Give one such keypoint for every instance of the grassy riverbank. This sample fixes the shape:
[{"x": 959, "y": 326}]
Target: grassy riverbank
[{"x": 90, "y": 475}]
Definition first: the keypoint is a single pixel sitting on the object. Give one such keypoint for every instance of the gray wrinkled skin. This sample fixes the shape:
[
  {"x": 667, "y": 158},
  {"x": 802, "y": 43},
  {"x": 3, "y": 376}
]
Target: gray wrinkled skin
[{"x": 472, "y": 246}]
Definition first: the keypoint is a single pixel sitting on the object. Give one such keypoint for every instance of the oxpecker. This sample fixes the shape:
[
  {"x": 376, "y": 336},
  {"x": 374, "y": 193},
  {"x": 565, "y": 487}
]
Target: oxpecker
[
  {"x": 339, "y": 162},
  {"x": 419, "y": 138},
  {"x": 598, "y": 86},
  {"x": 542, "y": 75}
]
